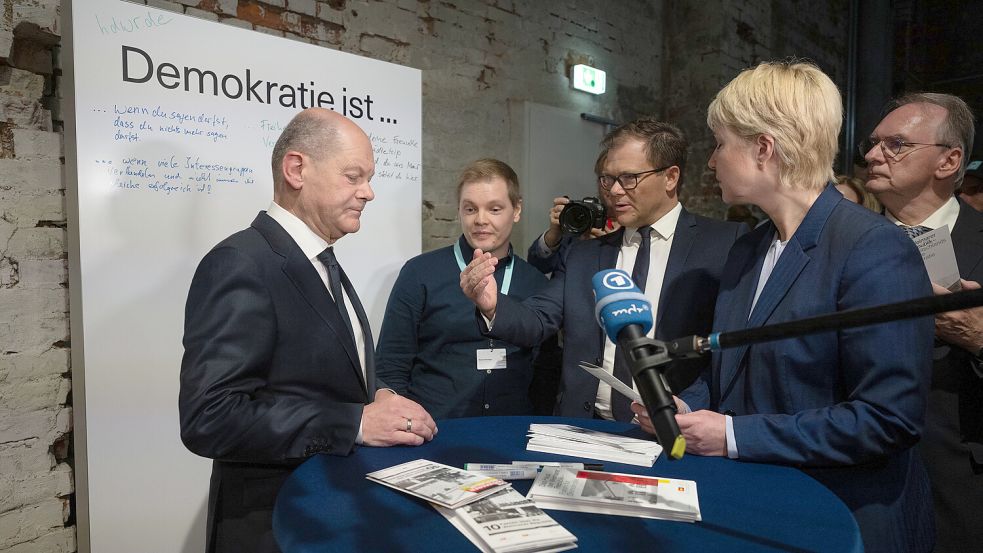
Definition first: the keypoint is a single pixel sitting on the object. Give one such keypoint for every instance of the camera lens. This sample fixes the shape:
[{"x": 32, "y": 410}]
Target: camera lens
[{"x": 575, "y": 219}]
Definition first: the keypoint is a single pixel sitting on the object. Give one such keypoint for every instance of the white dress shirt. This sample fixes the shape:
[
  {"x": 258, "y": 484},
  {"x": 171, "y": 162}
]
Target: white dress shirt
[
  {"x": 945, "y": 215},
  {"x": 312, "y": 245},
  {"x": 661, "y": 243}
]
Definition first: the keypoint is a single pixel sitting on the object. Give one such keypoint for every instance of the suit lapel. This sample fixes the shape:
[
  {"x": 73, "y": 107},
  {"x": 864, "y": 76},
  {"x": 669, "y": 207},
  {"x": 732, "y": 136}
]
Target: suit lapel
[
  {"x": 299, "y": 270},
  {"x": 738, "y": 304},
  {"x": 967, "y": 240},
  {"x": 682, "y": 241},
  {"x": 608, "y": 246},
  {"x": 790, "y": 265},
  {"x": 363, "y": 322}
]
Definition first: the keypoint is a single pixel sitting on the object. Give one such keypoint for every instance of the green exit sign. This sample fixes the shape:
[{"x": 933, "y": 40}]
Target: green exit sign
[{"x": 588, "y": 79}]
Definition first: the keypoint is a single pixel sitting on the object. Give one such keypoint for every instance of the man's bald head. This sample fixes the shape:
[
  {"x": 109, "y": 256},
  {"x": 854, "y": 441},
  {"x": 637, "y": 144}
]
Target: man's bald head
[{"x": 315, "y": 132}]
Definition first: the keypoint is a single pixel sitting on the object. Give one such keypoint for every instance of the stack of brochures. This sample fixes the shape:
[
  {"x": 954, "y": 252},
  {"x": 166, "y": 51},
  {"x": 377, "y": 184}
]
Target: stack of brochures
[
  {"x": 493, "y": 516},
  {"x": 564, "y": 439},
  {"x": 524, "y": 470},
  {"x": 614, "y": 493},
  {"x": 439, "y": 484},
  {"x": 507, "y": 522}
]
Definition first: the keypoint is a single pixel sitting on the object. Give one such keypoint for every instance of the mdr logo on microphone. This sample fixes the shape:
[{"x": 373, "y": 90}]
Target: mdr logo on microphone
[{"x": 619, "y": 302}]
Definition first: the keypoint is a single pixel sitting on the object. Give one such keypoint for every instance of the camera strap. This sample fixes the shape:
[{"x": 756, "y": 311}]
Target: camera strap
[{"x": 506, "y": 280}]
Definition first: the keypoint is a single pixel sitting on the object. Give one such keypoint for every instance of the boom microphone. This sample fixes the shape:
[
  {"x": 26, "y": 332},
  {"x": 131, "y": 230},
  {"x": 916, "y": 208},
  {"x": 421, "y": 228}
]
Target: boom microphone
[
  {"x": 694, "y": 346},
  {"x": 626, "y": 316}
]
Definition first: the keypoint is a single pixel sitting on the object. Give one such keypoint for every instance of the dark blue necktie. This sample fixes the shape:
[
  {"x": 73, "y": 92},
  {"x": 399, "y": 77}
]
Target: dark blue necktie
[
  {"x": 334, "y": 283},
  {"x": 620, "y": 405},
  {"x": 337, "y": 280}
]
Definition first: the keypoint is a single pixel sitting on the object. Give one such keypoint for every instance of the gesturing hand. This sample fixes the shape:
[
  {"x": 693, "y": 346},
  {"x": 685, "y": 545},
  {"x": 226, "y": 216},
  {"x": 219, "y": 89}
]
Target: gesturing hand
[{"x": 478, "y": 283}]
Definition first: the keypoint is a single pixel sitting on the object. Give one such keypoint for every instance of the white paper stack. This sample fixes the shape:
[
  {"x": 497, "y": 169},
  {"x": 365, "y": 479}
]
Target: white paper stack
[
  {"x": 616, "y": 494},
  {"x": 564, "y": 439},
  {"x": 440, "y": 484},
  {"x": 507, "y": 522}
]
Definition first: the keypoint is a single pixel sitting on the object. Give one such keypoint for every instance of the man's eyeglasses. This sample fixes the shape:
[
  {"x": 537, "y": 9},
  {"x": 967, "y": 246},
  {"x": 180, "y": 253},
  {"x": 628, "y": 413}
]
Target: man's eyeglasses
[
  {"x": 628, "y": 181},
  {"x": 892, "y": 145}
]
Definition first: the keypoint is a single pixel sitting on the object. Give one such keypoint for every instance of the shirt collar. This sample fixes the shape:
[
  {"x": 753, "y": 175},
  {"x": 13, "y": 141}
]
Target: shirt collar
[
  {"x": 310, "y": 243},
  {"x": 945, "y": 215},
  {"x": 663, "y": 228},
  {"x": 468, "y": 252}
]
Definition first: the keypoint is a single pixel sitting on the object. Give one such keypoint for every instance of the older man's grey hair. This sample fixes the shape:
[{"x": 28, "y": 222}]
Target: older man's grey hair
[{"x": 957, "y": 130}]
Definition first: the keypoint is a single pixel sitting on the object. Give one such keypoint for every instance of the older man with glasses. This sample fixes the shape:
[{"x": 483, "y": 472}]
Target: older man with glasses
[
  {"x": 675, "y": 258},
  {"x": 917, "y": 156}
]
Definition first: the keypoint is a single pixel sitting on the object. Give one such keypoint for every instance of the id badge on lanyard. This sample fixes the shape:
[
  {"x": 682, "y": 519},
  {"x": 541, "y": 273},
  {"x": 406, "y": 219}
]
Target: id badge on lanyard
[{"x": 491, "y": 358}]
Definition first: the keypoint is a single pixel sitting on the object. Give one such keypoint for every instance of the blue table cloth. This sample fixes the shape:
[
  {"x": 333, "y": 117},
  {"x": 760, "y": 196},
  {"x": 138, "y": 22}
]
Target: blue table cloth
[{"x": 328, "y": 505}]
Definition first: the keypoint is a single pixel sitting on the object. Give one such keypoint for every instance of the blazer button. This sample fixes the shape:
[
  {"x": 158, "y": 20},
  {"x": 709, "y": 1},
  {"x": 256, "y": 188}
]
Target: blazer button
[
  {"x": 730, "y": 413},
  {"x": 586, "y": 406}
]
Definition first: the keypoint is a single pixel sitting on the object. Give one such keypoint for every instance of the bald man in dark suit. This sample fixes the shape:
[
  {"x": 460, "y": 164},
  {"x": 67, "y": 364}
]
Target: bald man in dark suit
[{"x": 278, "y": 362}]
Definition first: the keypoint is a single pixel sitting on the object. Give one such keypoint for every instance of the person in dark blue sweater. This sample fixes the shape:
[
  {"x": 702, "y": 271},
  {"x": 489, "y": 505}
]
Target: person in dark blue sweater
[{"x": 430, "y": 348}]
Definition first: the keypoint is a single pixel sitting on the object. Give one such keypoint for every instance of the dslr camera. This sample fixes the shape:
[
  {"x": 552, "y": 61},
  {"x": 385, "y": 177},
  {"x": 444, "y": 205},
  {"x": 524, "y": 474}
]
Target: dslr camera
[{"x": 579, "y": 216}]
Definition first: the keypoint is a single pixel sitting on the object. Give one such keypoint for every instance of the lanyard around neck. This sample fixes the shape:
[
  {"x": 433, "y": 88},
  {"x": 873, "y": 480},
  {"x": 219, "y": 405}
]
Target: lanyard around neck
[{"x": 506, "y": 280}]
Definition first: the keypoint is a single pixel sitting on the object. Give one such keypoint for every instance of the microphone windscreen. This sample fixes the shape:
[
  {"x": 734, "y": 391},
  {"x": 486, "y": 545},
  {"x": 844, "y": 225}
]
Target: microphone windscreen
[{"x": 619, "y": 303}]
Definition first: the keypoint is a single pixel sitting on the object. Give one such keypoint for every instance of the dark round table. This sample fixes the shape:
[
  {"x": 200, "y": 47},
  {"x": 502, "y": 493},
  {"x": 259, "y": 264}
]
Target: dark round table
[{"x": 328, "y": 505}]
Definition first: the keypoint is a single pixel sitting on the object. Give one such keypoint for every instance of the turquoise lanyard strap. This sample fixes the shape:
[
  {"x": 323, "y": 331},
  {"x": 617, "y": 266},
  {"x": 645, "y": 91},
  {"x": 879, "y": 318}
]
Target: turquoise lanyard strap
[{"x": 506, "y": 280}]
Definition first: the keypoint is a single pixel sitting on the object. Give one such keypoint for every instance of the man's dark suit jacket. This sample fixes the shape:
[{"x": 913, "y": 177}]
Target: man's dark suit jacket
[
  {"x": 689, "y": 289},
  {"x": 270, "y": 376},
  {"x": 953, "y": 442},
  {"x": 548, "y": 264}
]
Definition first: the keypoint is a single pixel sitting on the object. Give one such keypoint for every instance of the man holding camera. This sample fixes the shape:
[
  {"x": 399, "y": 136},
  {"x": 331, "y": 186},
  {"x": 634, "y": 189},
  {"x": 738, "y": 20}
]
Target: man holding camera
[
  {"x": 570, "y": 220},
  {"x": 679, "y": 256},
  {"x": 588, "y": 218}
]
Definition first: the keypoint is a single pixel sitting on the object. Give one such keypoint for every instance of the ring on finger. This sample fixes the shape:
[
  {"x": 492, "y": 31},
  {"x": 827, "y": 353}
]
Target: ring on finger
[{"x": 409, "y": 425}]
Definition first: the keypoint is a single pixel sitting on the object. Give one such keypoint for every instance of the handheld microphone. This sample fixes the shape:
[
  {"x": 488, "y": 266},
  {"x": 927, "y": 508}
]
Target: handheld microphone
[{"x": 626, "y": 316}]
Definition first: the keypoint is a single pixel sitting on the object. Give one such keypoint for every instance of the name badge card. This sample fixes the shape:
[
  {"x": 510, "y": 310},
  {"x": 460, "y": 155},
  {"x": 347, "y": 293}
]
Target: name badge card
[{"x": 489, "y": 359}]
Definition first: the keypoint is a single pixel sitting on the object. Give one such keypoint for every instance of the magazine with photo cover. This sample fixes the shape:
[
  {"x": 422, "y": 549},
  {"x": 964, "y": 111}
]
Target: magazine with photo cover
[
  {"x": 616, "y": 494},
  {"x": 507, "y": 522},
  {"x": 437, "y": 483}
]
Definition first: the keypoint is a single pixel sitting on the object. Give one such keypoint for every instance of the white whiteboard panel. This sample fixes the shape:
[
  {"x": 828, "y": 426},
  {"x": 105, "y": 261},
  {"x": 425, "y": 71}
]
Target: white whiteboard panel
[
  {"x": 559, "y": 149},
  {"x": 171, "y": 159}
]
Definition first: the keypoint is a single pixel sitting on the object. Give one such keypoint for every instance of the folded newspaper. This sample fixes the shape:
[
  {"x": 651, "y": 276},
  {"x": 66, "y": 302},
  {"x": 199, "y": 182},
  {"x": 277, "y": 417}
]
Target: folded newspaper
[
  {"x": 564, "y": 439},
  {"x": 616, "y": 494},
  {"x": 440, "y": 484},
  {"x": 507, "y": 522}
]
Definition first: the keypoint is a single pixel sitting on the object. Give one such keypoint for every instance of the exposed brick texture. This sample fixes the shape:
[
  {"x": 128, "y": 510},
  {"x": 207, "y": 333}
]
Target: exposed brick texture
[
  {"x": 711, "y": 42},
  {"x": 36, "y": 479},
  {"x": 480, "y": 59}
]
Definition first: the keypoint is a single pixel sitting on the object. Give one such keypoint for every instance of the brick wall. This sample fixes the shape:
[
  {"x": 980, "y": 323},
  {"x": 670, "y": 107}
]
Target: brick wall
[
  {"x": 712, "y": 41},
  {"x": 35, "y": 412},
  {"x": 478, "y": 57}
]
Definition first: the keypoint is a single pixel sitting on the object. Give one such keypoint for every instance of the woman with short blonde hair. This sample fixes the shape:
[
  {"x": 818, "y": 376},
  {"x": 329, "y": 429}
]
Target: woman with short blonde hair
[
  {"x": 795, "y": 103},
  {"x": 844, "y": 406}
]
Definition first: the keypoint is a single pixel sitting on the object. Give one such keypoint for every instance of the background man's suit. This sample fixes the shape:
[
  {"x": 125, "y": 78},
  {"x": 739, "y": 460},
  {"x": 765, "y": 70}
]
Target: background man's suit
[
  {"x": 549, "y": 263},
  {"x": 953, "y": 442},
  {"x": 689, "y": 288},
  {"x": 846, "y": 406},
  {"x": 280, "y": 372}
]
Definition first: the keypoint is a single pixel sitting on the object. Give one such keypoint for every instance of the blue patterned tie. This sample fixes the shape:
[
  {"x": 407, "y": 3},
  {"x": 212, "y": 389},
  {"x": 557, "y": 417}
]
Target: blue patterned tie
[{"x": 914, "y": 232}]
